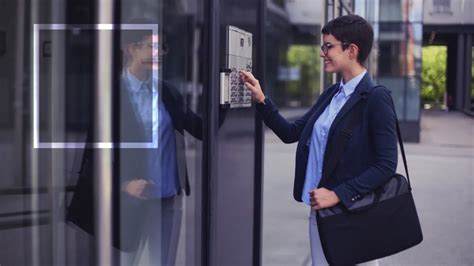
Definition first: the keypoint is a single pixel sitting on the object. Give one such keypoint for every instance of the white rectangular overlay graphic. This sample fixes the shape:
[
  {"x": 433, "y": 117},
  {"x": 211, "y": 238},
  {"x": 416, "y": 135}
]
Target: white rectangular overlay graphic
[{"x": 36, "y": 86}]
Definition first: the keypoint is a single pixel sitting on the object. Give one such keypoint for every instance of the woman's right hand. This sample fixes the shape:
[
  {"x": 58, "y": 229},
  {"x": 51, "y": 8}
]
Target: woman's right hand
[
  {"x": 137, "y": 188},
  {"x": 253, "y": 85}
]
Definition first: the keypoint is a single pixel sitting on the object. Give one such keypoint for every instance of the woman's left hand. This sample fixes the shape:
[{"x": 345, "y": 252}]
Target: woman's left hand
[{"x": 321, "y": 198}]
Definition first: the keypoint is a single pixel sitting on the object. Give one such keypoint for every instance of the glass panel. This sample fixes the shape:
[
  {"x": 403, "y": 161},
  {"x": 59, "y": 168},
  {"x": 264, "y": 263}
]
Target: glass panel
[
  {"x": 14, "y": 210},
  {"x": 401, "y": 10},
  {"x": 389, "y": 50},
  {"x": 416, "y": 11},
  {"x": 232, "y": 195},
  {"x": 160, "y": 224},
  {"x": 360, "y": 8},
  {"x": 35, "y": 181},
  {"x": 347, "y": 7},
  {"x": 391, "y": 10},
  {"x": 415, "y": 47},
  {"x": 399, "y": 59},
  {"x": 413, "y": 99},
  {"x": 292, "y": 60},
  {"x": 390, "y": 47},
  {"x": 292, "y": 80},
  {"x": 47, "y": 108},
  {"x": 397, "y": 87}
]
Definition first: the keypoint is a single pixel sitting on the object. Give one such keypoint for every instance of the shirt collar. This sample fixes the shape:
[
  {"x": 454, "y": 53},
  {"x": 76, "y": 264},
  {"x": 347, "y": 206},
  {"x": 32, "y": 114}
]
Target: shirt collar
[
  {"x": 350, "y": 86},
  {"x": 134, "y": 84}
]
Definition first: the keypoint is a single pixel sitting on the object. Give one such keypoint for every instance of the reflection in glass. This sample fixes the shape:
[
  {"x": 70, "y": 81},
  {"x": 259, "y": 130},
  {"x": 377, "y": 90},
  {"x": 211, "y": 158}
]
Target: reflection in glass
[
  {"x": 149, "y": 182},
  {"x": 47, "y": 212},
  {"x": 397, "y": 86},
  {"x": 293, "y": 65},
  {"x": 396, "y": 58},
  {"x": 399, "y": 61},
  {"x": 391, "y": 10},
  {"x": 293, "y": 81},
  {"x": 389, "y": 52},
  {"x": 412, "y": 99},
  {"x": 400, "y": 46},
  {"x": 401, "y": 10}
]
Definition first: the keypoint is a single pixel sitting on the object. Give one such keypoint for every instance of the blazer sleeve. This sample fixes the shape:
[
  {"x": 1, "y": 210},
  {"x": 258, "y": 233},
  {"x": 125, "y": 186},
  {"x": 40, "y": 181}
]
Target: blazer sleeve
[
  {"x": 183, "y": 117},
  {"x": 193, "y": 123},
  {"x": 382, "y": 130},
  {"x": 286, "y": 131}
]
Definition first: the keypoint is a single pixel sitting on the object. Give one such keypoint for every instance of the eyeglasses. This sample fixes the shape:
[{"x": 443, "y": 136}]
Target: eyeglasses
[
  {"x": 325, "y": 47},
  {"x": 162, "y": 49}
]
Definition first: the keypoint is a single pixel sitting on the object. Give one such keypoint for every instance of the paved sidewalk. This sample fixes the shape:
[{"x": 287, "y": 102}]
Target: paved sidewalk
[{"x": 442, "y": 172}]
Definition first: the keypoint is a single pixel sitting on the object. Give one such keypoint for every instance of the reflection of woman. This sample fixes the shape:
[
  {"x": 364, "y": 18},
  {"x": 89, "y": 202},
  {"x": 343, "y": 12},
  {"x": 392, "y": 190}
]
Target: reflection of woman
[
  {"x": 150, "y": 180},
  {"x": 370, "y": 156}
]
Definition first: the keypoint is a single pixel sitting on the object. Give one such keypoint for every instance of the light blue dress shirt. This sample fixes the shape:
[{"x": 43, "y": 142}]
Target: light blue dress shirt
[
  {"x": 320, "y": 132},
  {"x": 156, "y": 120}
]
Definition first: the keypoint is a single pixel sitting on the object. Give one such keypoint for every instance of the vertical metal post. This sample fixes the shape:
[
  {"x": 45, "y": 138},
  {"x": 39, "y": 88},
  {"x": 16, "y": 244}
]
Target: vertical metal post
[
  {"x": 211, "y": 110},
  {"x": 19, "y": 88},
  {"x": 259, "y": 139},
  {"x": 35, "y": 239},
  {"x": 467, "y": 73},
  {"x": 374, "y": 13},
  {"x": 460, "y": 65},
  {"x": 58, "y": 127},
  {"x": 330, "y": 11},
  {"x": 324, "y": 19},
  {"x": 103, "y": 133},
  {"x": 335, "y": 13},
  {"x": 335, "y": 9}
]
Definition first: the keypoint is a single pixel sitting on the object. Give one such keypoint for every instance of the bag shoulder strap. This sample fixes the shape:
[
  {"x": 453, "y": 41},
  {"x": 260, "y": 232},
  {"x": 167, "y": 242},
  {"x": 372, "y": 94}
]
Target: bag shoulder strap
[
  {"x": 400, "y": 142},
  {"x": 354, "y": 120}
]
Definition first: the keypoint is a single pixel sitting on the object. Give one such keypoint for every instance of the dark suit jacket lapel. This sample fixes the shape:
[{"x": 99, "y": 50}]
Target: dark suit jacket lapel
[
  {"x": 131, "y": 129},
  {"x": 306, "y": 136},
  {"x": 362, "y": 87}
]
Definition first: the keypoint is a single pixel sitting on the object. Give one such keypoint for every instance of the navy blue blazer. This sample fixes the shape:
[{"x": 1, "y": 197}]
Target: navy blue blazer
[{"x": 370, "y": 156}]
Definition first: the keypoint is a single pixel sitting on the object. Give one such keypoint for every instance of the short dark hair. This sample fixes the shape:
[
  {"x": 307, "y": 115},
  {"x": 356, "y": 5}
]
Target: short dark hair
[
  {"x": 352, "y": 29},
  {"x": 132, "y": 36},
  {"x": 135, "y": 36}
]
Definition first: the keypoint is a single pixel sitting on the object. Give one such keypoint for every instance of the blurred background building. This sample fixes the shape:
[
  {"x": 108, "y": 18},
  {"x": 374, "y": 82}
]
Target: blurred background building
[{"x": 404, "y": 30}]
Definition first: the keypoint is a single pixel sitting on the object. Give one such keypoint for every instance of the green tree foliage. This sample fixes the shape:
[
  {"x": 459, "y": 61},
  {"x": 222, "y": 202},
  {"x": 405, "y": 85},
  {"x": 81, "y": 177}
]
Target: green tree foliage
[
  {"x": 433, "y": 74},
  {"x": 306, "y": 57}
]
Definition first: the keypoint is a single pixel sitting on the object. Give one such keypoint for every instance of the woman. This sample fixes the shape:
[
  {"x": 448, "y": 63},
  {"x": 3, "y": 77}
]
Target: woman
[
  {"x": 369, "y": 157},
  {"x": 151, "y": 179}
]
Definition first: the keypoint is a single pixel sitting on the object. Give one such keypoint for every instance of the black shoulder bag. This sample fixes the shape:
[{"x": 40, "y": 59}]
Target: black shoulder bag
[{"x": 380, "y": 224}]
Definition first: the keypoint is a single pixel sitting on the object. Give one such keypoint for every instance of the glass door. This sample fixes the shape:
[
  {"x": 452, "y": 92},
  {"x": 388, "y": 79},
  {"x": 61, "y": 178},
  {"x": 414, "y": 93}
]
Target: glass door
[
  {"x": 101, "y": 132},
  {"x": 235, "y": 193}
]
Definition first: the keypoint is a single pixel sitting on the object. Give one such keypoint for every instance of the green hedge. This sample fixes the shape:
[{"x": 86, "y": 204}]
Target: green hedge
[{"x": 433, "y": 74}]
